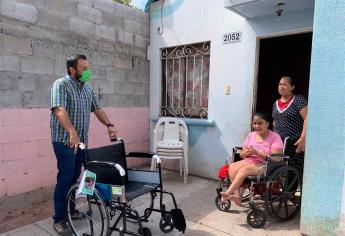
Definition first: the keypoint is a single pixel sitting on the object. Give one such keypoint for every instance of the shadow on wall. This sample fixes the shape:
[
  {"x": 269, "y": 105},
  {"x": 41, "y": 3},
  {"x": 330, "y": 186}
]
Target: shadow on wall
[
  {"x": 207, "y": 139},
  {"x": 207, "y": 150}
]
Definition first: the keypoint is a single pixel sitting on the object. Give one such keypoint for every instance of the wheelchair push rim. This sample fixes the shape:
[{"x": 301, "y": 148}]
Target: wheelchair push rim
[
  {"x": 92, "y": 215},
  {"x": 284, "y": 193}
]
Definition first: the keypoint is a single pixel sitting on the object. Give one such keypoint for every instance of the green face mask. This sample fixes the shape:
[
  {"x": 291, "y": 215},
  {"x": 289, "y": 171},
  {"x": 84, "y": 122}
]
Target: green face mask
[{"x": 85, "y": 75}]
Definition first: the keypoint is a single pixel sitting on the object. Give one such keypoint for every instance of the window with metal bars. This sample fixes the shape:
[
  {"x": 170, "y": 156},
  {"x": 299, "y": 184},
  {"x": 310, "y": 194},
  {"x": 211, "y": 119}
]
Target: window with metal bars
[{"x": 185, "y": 80}]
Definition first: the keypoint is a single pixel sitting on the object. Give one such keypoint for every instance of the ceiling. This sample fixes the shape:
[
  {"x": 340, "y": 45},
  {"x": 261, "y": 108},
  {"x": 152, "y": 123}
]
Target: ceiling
[{"x": 260, "y": 8}]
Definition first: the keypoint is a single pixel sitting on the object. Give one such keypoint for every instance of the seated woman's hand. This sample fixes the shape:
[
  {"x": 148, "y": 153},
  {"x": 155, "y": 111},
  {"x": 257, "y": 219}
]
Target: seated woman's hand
[
  {"x": 253, "y": 151},
  {"x": 245, "y": 152}
]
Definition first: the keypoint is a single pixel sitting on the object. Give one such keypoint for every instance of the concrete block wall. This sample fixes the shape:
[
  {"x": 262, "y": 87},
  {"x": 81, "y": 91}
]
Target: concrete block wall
[{"x": 36, "y": 37}]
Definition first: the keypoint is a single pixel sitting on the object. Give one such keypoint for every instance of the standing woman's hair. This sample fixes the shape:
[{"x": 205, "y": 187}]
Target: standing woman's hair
[{"x": 289, "y": 79}]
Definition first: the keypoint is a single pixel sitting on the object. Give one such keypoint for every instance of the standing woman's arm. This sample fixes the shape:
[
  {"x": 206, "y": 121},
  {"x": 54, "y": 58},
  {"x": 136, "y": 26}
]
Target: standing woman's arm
[{"x": 301, "y": 141}]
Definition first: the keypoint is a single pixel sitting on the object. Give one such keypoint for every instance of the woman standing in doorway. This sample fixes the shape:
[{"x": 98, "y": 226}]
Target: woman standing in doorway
[{"x": 290, "y": 120}]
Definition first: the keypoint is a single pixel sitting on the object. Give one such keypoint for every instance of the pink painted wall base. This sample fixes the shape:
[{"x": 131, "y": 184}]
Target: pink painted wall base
[{"x": 27, "y": 160}]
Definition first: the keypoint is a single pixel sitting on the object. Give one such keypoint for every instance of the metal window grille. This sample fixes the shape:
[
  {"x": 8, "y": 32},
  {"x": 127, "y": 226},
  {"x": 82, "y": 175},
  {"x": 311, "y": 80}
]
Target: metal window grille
[{"x": 185, "y": 80}]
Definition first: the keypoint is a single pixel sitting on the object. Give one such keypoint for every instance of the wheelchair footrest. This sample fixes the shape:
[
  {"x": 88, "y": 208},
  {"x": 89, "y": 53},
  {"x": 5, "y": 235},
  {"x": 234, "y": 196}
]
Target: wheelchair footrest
[{"x": 178, "y": 219}]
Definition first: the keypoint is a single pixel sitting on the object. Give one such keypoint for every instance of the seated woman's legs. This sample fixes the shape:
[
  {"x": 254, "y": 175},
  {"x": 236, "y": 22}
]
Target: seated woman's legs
[
  {"x": 233, "y": 169},
  {"x": 233, "y": 191}
]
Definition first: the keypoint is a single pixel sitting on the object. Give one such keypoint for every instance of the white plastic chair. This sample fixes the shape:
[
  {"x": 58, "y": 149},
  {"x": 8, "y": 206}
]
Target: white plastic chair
[{"x": 170, "y": 141}]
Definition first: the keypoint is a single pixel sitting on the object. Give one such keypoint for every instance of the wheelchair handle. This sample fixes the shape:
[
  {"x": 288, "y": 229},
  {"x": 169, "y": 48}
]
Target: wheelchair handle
[
  {"x": 82, "y": 146},
  {"x": 115, "y": 139},
  {"x": 120, "y": 169}
]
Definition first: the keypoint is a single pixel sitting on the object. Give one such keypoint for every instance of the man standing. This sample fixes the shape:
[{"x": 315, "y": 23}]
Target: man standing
[{"x": 72, "y": 101}]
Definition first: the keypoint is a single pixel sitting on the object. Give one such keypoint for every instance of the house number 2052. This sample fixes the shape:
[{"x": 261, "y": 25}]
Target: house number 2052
[{"x": 233, "y": 37}]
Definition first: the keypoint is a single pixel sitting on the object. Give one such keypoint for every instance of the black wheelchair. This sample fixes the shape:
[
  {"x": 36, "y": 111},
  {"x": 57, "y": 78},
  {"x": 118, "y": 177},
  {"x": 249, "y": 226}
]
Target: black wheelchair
[
  {"x": 278, "y": 189},
  {"x": 117, "y": 187}
]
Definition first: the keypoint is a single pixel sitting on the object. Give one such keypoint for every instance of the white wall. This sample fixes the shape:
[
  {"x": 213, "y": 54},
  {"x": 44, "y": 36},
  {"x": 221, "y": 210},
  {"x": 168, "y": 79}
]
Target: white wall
[{"x": 234, "y": 64}]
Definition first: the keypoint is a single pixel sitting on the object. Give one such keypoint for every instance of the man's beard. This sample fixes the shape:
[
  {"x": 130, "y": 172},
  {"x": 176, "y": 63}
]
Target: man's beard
[{"x": 78, "y": 76}]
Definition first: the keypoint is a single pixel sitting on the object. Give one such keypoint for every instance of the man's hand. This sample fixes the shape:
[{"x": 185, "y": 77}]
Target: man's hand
[
  {"x": 112, "y": 131},
  {"x": 74, "y": 141},
  {"x": 63, "y": 117},
  {"x": 300, "y": 145}
]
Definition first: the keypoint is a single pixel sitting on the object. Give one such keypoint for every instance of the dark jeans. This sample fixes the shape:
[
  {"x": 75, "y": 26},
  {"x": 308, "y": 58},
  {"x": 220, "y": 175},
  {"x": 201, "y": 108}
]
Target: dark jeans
[{"x": 69, "y": 168}]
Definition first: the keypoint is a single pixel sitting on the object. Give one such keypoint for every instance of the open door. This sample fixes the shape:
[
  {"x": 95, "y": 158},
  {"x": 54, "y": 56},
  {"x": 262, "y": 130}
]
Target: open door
[{"x": 278, "y": 56}]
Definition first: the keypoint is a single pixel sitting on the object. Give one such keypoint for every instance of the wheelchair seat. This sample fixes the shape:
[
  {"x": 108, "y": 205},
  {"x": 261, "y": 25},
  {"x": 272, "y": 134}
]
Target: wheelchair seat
[
  {"x": 256, "y": 178},
  {"x": 135, "y": 189}
]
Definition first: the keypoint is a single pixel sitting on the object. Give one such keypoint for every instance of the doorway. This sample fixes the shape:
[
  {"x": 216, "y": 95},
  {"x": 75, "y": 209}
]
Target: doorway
[{"x": 282, "y": 56}]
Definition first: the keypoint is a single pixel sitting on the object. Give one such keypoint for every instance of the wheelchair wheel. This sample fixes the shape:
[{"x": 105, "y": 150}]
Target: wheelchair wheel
[
  {"x": 256, "y": 218},
  {"x": 146, "y": 232},
  {"x": 284, "y": 193},
  {"x": 166, "y": 223},
  {"x": 222, "y": 206},
  {"x": 87, "y": 215}
]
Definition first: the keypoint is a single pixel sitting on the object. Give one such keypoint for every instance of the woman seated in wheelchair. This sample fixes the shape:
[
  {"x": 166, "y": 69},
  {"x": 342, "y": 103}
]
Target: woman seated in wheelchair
[{"x": 259, "y": 144}]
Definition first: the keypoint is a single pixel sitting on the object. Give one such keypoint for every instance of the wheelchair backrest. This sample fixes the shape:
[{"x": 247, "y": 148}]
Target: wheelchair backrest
[
  {"x": 106, "y": 174},
  {"x": 289, "y": 147},
  {"x": 236, "y": 154}
]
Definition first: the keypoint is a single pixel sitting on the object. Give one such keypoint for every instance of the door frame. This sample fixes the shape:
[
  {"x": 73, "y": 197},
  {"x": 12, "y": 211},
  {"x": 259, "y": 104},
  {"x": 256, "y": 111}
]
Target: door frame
[{"x": 257, "y": 55}]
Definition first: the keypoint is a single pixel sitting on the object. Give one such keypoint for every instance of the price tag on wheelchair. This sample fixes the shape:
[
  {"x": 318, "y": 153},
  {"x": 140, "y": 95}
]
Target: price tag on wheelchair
[
  {"x": 118, "y": 192},
  {"x": 87, "y": 184}
]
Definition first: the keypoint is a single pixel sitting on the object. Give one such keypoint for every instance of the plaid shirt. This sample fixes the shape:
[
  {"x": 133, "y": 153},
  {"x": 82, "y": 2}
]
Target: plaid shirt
[{"x": 79, "y": 100}]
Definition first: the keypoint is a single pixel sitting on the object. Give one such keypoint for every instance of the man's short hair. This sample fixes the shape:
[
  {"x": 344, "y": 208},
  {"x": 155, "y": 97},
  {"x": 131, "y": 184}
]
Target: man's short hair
[{"x": 72, "y": 61}]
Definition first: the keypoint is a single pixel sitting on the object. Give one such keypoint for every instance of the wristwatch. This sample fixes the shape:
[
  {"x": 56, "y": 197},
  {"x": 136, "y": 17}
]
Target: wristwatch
[{"x": 110, "y": 125}]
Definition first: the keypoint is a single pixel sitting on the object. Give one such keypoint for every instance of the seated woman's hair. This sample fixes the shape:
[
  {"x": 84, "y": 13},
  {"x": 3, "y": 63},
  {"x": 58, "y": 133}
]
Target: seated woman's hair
[{"x": 263, "y": 115}]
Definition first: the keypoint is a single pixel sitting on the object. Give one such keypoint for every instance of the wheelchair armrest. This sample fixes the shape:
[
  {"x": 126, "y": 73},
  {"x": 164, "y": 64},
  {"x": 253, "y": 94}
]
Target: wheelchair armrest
[
  {"x": 278, "y": 157},
  {"x": 118, "y": 167},
  {"x": 237, "y": 149},
  {"x": 141, "y": 154}
]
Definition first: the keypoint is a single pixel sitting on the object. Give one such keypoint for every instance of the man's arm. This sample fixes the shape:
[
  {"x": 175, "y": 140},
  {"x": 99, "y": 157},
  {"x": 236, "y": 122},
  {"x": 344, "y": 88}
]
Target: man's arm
[
  {"x": 65, "y": 122},
  {"x": 103, "y": 118}
]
